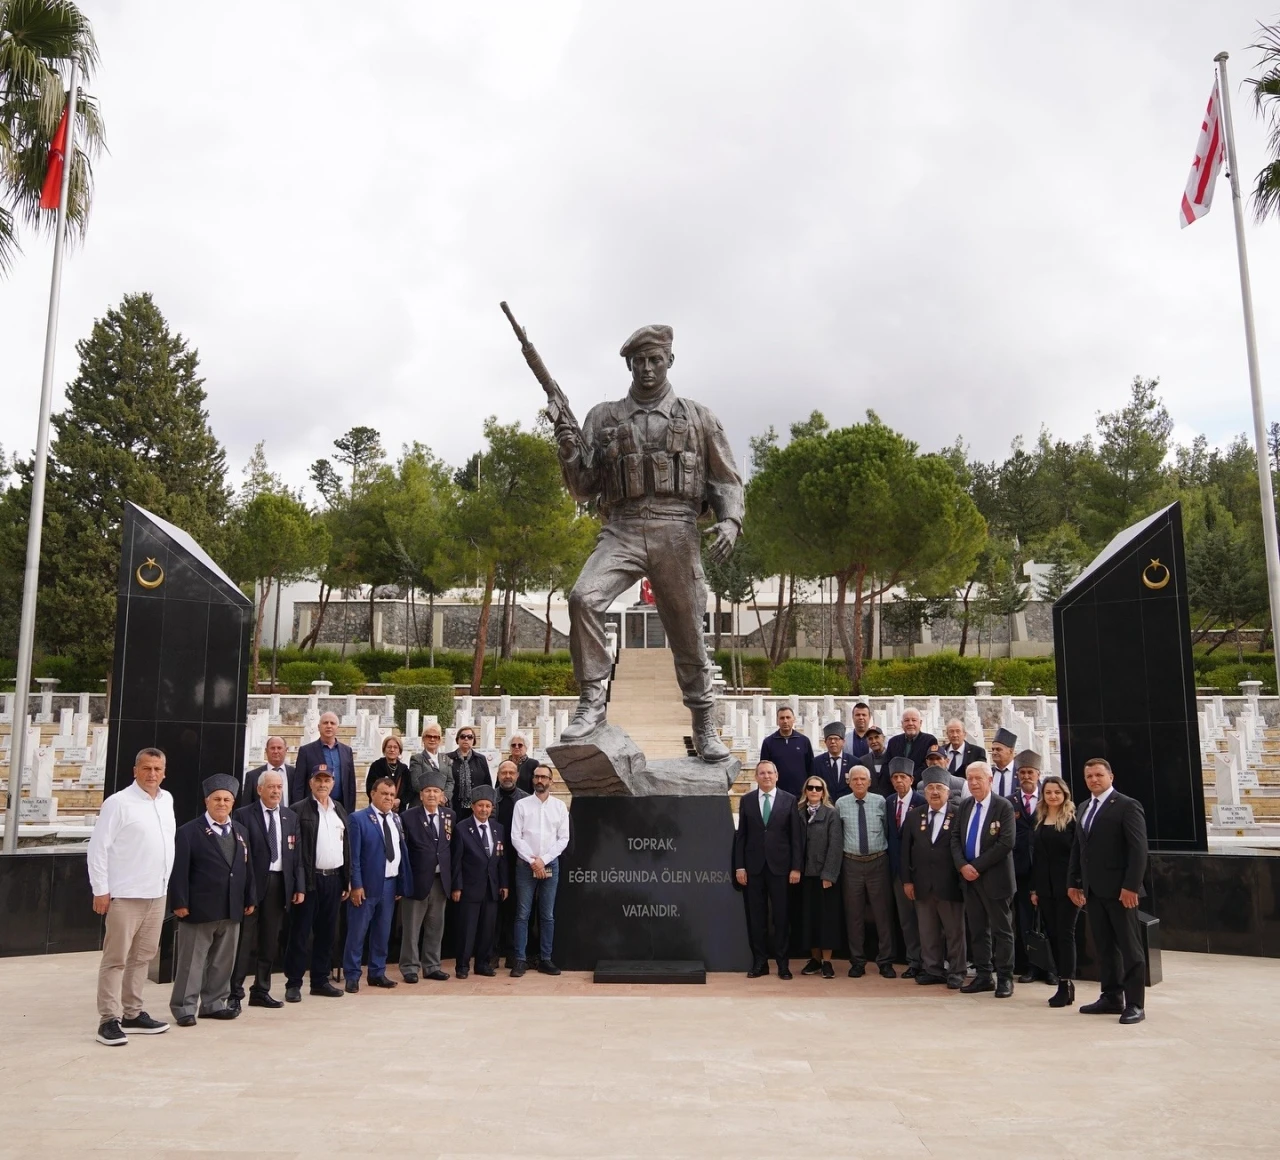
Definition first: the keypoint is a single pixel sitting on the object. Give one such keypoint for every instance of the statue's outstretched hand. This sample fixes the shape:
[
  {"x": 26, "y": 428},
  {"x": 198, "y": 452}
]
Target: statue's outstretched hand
[{"x": 722, "y": 536}]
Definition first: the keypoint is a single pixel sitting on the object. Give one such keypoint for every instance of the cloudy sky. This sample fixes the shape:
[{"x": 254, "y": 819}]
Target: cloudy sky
[{"x": 961, "y": 215}]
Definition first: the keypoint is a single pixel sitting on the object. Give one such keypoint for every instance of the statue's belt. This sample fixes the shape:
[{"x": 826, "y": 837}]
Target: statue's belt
[{"x": 648, "y": 513}]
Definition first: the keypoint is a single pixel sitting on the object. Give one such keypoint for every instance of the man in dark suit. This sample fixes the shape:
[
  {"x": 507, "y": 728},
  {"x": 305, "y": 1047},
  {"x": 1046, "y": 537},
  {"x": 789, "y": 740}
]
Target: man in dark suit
[
  {"x": 1004, "y": 767},
  {"x": 428, "y": 838},
  {"x": 1026, "y": 798},
  {"x": 768, "y": 856},
  {"x": 277, "y": 872},
  {"x": 334, "y": 755},
  {"x": 509, "y": 792},
  {"x": 275, "y": 754},
  {"x": 470, "y": 770},
  {"x": 211, "y": 888},
  {"x": 480, "y": 882},
  {"x": 833, "y": 766},
  {"x": 932, "y": 882},
  {"x": 325, "y": 851},
  {"x": 380, "y": 875},
  {"x": 959, "y": 754},
  {"x": 1108, "y": 865},
  {"x": 911, "y": 742},
  {"x": 904, "y": 800},
  {"x": 982, "y": 849},
  {"x": 876, "y": 760}
]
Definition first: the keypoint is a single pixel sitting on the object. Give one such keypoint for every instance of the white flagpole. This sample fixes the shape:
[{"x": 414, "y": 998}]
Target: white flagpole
[
  {"x": 31, "y": 576},
  {"x": 1255, "y": 376}
]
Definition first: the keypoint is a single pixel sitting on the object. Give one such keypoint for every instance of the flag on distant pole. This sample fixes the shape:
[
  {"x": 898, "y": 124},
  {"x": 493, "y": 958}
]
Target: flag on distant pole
[
  {"x": 51, "y": 191},
  {"x": 1210, "y": 153}
]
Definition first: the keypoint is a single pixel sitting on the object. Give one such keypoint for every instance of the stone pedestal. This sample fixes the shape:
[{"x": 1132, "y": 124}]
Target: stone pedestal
[{"x": 609, "y": 763}]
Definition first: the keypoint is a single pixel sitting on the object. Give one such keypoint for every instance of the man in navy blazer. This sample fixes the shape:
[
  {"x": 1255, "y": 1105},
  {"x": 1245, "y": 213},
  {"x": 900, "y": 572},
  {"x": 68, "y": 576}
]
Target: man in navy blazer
[
  {"x": 332, "y": 753},
  {"x": 281, "y": 882},
  {"x": 911, "y": 742},
  {"x": 768, "y": 856},
  {"x": 833, "y": 766},
  {"x": 903, "y": 801},
  {"x": 380, "y": 874},
  {"x": 479, "y": 881},
  {"x": 211, "y": 889}
]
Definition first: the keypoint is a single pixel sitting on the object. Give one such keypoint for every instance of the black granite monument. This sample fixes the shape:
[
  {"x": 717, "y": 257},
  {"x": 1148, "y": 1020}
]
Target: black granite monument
[
  {"x": 1126, "y": 684},
  {"x": 179, "y": 679}
]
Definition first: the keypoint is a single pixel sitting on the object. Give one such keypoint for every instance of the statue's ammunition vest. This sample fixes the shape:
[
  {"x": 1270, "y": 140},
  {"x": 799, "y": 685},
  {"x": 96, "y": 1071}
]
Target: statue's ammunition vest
[{"x": 671, "y": 469}]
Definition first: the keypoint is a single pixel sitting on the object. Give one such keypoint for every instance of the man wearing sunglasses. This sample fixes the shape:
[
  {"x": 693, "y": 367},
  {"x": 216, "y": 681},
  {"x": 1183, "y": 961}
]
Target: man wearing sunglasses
[{"x": 470, "y": 772}]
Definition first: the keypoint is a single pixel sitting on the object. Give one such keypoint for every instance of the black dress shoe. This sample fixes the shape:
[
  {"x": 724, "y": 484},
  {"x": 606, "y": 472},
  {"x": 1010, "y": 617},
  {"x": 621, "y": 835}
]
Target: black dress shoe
[
  {"x": 1103, "y": 1005},
  {"x": 438, "y": 976},
  {"x": 1051, "y": 978},
  {"x": 518, "y": 969},
  {"x": 757, "y": 972},
  {"x": 828, "y": 971},
  {"x": 955, "y": 982},
  {"x": 1065, "y": 995},
  {"x": 812, "y": 967},
  {"x": 980, "y": 983},
  {"x": 487, "y": 971},
  {"x": 352, "y": 986},
  {"x": 293, "y": 994},
  {"x": 923, "y": 980},
  {"x": 1028, "y": 976},
  {"x": 233, "y": 1004},
  {"x": 381, "y": 981},
  {"x": 462, "y": 973},
  {"x": 327, "y": 989},
  {"x": 1133, "y": 1015},
  {"x": 185, "y": 1021},
  {"x": 911, "y": 973},
  {"x": 547, "y": 967},
  {"x": 262, "y": 999},
  {"x": 785, "y": 973},
  {"x": 409, "y": 977},
  {"x": 887, "y": 971},
  {"x": 225, "y": 1013},
  {"x": 857, "y": 970},
  {"x": 1004, "y": 987}
]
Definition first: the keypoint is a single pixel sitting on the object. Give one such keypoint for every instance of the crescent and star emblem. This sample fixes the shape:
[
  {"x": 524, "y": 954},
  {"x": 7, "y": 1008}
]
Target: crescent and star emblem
[
  {"x": 1155, "y": 575},
  {"x": 157, "y": 573}
]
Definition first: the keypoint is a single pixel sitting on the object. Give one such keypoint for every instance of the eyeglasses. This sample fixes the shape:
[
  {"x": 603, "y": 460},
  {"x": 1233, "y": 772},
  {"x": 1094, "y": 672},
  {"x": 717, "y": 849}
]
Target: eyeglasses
[
  {"x": 466, "y": 736},
  {"x": 517, "y": 745}
]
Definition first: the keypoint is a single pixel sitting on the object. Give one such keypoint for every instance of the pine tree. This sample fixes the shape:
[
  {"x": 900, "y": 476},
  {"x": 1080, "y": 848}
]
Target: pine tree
[{"x": 134, "y": 428}]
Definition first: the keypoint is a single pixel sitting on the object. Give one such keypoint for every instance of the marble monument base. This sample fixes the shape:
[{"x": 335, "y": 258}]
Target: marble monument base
[{"x": 609, "y": 763}]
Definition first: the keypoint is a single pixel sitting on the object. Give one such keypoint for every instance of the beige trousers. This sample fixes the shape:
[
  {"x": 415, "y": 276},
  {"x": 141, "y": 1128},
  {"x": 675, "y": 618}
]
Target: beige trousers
[{"x": 131, "y": 941}]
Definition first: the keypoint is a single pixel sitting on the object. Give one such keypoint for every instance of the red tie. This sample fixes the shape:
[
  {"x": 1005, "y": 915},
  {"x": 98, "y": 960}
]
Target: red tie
[
  {"x": 899, "y": 813},
  {"x": 1027, "y": 798}
]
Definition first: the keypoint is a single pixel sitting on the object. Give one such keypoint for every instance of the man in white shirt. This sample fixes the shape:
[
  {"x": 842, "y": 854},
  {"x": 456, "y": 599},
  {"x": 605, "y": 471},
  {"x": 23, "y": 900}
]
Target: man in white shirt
[
  {"x": 130, "y": 860},
  {"x": 539, "y": 833}
]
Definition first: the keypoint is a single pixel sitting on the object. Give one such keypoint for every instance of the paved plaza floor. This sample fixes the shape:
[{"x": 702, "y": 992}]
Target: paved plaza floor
[{"x": 544, "y": 1067}]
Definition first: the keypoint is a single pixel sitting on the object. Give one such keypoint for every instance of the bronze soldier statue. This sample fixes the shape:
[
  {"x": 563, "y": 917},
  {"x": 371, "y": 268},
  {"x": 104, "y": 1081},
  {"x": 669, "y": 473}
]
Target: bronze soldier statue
[{"x": 654, "y": 463}]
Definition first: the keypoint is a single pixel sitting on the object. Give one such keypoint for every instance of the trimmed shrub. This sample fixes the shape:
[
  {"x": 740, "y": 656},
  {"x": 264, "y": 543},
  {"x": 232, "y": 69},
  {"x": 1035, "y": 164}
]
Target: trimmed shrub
[
  {"x": 73, "y": 676},
  {"x": 374, "y": 662},
  {"x": 298, "y": 675},
  {"x": 1226, "y": 678},
  {"x": 427, "y": 699},
  {"x": 806, "y": 679},
  {"x": 521, "y": 678},
  {"x": 418, "y": 677}
]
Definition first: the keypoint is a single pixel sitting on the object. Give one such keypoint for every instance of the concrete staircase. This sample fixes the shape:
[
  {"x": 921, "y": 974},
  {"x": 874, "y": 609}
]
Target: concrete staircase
[{"x": 644, "y": 699}]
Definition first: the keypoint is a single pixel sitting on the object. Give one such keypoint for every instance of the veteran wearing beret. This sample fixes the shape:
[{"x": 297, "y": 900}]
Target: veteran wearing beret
[
  {"x": 211, "y": 889},
  {"x": 656, "y": 463},
  {"x": 480, "y": 882}
]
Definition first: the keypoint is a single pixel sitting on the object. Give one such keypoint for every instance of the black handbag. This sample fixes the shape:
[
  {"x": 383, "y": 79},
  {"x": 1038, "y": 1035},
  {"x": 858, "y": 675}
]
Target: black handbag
[{"x": 1039, "y": 952}]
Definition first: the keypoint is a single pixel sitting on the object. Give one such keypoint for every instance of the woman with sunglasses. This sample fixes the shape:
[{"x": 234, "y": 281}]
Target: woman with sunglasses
[
  {"x": 1055, "y": 833},
  {"x": 823, "y": 856}
]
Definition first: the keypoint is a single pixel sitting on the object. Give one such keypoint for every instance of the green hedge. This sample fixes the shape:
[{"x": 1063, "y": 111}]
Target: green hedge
[
  {"x": 522, "y": 678},
  {"x": 944, "y": 674},
  {"x": 1226, "y": 655},
  {"x": 418, "y": 677},
  {"x": 807, "y": 679},
  {"x": 427, "y": 699},
  {"x": 374, "y": 662},
  {"x": 1226, "y": 678},
  {"x": 297, "y": 676}
]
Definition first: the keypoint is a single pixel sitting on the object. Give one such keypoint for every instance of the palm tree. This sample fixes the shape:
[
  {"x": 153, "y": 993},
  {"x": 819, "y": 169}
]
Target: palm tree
[
  {"x": 1266, "y": 100},
  {"x": 38, "y": 41}
]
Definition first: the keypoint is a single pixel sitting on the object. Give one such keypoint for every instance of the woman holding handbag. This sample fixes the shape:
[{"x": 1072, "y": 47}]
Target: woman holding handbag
[{"x": 1055, "y": 833}]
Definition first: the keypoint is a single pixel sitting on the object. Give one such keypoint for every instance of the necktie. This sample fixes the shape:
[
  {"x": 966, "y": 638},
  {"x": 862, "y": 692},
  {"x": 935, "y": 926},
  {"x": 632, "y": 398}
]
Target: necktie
[
  {"x": 484, "y": 837},
  {"x": 273, "y": 847},
  {"x": 224, "y": 830},
  {"x": 933, "y": 821},
  {"x": 1000, "y": 783},
  {"x": 431, "y": 825},
  {"x": 1088, "y": 818},
  {"x": 862, "y": 826},
  {"x": 387, "y": 841},
  {"x": 971, "y": 841},
  {"x": 901, "y": 807},
  {"x": 1027, "y": 798},
  {"x": 955, "y": 760},
  {"x": 767, "y": 808}
]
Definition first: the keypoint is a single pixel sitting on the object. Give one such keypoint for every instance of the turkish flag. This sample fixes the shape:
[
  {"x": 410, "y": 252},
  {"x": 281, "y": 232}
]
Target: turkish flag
[
  {"x": 51, "y": 191},
  {"x": 1210, "y": 153}
]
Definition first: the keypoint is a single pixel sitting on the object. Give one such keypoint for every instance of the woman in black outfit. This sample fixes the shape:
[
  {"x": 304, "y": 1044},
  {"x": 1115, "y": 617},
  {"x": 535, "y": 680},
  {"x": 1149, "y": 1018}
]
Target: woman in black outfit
[
  {"x": 1055, "y": 834},
  {"x": 390, "y": 765},
  {"x": 823, "y": 857}
]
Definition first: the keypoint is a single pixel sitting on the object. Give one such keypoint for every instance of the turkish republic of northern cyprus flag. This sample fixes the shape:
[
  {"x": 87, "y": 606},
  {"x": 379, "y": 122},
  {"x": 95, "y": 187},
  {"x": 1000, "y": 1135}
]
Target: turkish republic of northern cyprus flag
[{"x": 1210, "y": 153}]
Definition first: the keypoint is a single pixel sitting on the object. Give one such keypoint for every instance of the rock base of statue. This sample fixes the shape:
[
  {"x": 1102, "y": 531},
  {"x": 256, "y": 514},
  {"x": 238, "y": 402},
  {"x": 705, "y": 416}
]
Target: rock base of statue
[
  {"x": 608, "y": 763},
  {"x": 650, "y": 879}
]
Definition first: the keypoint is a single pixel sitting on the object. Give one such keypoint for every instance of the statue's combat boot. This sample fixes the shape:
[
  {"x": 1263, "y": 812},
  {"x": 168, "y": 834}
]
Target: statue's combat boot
[
  {"x": 706, "y": 739},
  {"x": 589, "y": 715}
]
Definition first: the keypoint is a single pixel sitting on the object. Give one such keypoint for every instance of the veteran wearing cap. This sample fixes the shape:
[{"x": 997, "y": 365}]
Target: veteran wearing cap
[
  {"x": 834, "y": 765},
  {"x": 211, "y": 889},
  {"x": 656, "y": 463},
  {"x": 1026, "y": 799},
  {"x": 932, "y": 882},
  {"x": 1003, "y": 765},
  {"x": 479, "y": 882},
  {"x": 936, "y": 758}
]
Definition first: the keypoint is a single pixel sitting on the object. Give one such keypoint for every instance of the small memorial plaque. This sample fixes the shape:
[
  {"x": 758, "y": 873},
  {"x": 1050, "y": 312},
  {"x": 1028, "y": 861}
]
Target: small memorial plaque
[
  {"x": 1233, "y": 815},
  {"x": 75, "y": 756},
  {"x": 39, "y": 809},
  {"x": 1247, "y": 779}
]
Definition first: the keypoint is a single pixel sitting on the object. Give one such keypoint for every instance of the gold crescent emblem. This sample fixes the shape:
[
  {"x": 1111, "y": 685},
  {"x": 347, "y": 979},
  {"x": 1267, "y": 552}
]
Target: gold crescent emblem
[
  {"x": 156, "y": 580},
  {"x": 1155, "y": 575}
]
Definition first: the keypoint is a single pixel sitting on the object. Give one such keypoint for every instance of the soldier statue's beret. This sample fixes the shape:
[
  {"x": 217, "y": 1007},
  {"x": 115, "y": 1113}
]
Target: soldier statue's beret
[
  {"x": 218, "y": 781},
  {"x": 833, "y": 729},
  {"x": 902, "y": 765},
  {"x": 1029, "y": 759},
  {"x": 935, "y": 775},
  {"x": 1004, "y": 737},
  {"x": 655, "y": 335},
  {"x": 483, "y": 793}
]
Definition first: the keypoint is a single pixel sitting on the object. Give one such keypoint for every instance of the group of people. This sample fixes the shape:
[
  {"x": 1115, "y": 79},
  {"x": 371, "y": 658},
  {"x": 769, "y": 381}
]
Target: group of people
[
  {"x": 980, "y": 861},
  {"x": 298, "y": 867}
]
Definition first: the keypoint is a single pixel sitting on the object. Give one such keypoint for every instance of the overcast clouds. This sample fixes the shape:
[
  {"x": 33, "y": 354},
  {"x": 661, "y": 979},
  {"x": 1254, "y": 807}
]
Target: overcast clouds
[{"x": 962, "y": 215}]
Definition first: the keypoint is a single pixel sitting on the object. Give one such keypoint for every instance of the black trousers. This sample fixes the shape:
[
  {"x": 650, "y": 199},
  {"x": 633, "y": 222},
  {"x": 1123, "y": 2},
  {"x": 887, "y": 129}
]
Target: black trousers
[
  {"x": 315, "y": 920},
  {"x": 504, "y": 937},
  {"x": 766, "y": 892},
  {"x": 1025, "y": 917},
  {"x": 1060, "y": 916},
  {"x": 476, "y": 935},
  {"x": 260, "y": 940},
  {"x": 1118, "y": 939},
  {"x": 991, "y": 922}
]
